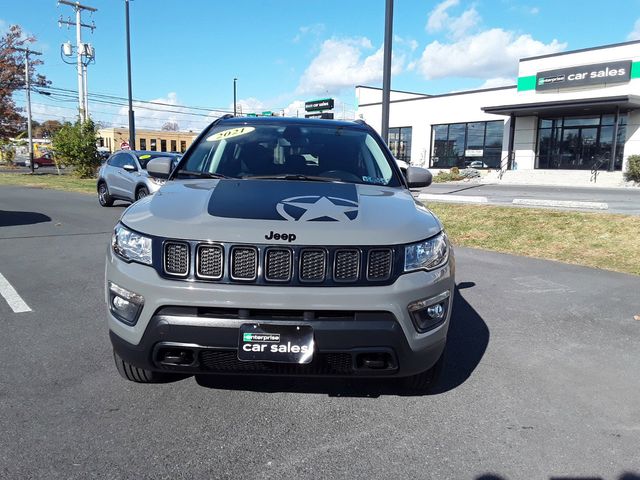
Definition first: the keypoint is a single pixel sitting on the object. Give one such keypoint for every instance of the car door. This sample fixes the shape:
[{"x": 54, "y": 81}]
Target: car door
[
  {"x": 130, "y": 174},
  {"x": 112, "y": 175}
]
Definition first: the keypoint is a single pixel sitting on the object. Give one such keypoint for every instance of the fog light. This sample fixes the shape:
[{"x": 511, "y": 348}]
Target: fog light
[
  {"x": 436, "y": 311},
  {"x": 124, "y": 304},
  {"x": 429, "y": 313}
]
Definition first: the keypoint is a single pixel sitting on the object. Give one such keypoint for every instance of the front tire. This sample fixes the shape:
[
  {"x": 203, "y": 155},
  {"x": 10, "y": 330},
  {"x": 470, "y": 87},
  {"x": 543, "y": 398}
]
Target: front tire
[
  {"x": 36, "y": 166},
  {"x": 141, "y": 193},
  {"x": 105, "y": 199},
  {"x": 141, "y": 375}
]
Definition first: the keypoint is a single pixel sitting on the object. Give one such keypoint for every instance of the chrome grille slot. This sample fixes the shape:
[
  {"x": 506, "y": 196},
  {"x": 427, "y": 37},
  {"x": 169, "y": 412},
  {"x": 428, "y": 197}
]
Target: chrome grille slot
[
  {"x": 313, "y": 265},
  {"x": 347, "y": 265},
  {"x": 244, "y": 263},
  {"x": 176, "y": 258},
  {"x": 209, "y": 261},
  {"x": 278, "y": 263},
  {"x": 379, "y": 264}
]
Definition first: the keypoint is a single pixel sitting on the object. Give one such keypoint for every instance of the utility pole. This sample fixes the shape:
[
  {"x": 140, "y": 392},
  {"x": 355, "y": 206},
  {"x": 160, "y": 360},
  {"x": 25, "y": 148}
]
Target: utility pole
[
  {"x": 386, "y": 70},
  {"x": 235, "y": 80},
  {"x": 81, "y": 50},
  {"x": 132, "y": 119},
  {"x": 27, "y": 85}
]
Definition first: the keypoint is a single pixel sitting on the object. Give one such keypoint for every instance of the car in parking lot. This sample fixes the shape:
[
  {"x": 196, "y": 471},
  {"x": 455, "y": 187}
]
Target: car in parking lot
[
  {"x": 45, "y": 160},
  {"x": 124, "y": 176},
  {"x": 281, "y": 246}
]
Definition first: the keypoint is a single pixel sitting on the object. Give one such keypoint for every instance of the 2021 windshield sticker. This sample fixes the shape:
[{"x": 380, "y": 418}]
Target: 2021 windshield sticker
[{"x": 230, "y": 133}]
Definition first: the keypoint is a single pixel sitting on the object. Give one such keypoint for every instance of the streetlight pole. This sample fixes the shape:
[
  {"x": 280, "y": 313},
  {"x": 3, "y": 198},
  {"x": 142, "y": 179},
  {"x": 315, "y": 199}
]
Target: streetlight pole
[
  {"x": 386, "y": 68},
  {"x": 132, "y": 120},
  {"x": 235, "y": 80},
  {"x": 27, "y": 84}
]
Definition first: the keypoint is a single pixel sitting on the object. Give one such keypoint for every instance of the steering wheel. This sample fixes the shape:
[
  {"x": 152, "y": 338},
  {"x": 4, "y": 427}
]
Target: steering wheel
[{"x": 341, "y": 175}]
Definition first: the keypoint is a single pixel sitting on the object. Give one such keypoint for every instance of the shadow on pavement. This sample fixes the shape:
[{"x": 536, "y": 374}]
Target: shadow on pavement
[
  {"x": 624, "y": 476},
  {"x": 466, "y": 343},
  {"x": 11, "y": 218}
]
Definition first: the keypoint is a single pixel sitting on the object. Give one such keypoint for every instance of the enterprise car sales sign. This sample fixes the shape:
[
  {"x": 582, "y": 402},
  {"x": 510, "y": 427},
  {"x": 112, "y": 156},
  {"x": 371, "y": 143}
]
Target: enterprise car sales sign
[
  {"x": 317, "y": 105},
  {"x": 610, "y": 72}
]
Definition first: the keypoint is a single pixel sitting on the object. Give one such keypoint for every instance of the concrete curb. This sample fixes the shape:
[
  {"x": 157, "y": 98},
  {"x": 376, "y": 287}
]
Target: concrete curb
[
  {"x": 452, "y": 198},
  {"x": 560, "y": 203}
]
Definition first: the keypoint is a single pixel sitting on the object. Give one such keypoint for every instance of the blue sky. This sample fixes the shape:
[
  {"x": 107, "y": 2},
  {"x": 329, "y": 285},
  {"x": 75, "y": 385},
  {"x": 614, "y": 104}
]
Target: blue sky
[{"x": 283, "y": 52}]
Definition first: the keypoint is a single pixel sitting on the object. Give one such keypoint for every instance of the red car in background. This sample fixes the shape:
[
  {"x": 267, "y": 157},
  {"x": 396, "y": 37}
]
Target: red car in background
[{"x": 45, "y": 160}]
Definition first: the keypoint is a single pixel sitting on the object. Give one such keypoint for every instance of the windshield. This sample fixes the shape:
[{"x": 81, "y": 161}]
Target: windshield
[{"x": 331, "y": 153}]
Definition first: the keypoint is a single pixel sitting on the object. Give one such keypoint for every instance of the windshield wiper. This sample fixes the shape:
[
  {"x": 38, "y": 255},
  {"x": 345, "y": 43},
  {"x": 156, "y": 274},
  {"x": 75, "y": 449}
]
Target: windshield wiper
[
  {"x": 292, "y": 176},
  {"x": 201, "y": 174}
]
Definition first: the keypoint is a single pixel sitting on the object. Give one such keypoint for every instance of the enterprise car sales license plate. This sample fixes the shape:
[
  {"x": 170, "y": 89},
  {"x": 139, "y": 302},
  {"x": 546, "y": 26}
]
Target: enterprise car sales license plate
[{"x": 275, "y": 343}]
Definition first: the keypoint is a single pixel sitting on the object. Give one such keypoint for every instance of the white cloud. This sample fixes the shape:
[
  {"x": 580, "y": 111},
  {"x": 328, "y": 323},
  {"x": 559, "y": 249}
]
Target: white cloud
[
  {"x": 498, "y": 82},
  {"x": 315, "y": 29},
  {"x": 635, "y": 33},
  {"x": 295, "y": 108},
  {"x": 249, "y": 105},
  {"x": 460, "y": 26},
  {"x": 341, "y": 64},
  {"x": 457, "y": 26},
  {"x": 438, "y": 18},
  {"x": 488, "y": 54}
]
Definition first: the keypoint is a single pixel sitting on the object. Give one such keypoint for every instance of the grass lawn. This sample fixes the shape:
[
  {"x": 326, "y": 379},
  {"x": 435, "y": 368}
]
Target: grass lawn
[
  {"x": 600, "y": 240},
  {"x": 49, "y": 180}
]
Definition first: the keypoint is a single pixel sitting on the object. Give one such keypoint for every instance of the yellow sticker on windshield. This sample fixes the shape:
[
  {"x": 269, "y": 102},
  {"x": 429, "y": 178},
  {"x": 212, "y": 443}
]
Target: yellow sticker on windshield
[
  {"x": 232, "y": 132},
  {"x": 144, "y": 157}
]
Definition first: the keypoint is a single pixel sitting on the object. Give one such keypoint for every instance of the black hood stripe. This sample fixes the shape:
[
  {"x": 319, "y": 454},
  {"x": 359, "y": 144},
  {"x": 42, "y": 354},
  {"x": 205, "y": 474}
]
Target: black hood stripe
[{"x": 284, "y": 200}]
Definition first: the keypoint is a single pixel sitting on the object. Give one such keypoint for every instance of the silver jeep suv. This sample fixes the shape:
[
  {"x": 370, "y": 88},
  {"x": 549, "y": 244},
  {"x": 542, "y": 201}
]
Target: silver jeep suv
[{"x": 281, "y": 246}]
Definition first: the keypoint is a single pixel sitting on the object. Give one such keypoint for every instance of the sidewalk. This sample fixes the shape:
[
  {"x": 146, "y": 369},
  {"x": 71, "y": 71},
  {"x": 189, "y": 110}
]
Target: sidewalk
[{"x": 600, "y": 199}]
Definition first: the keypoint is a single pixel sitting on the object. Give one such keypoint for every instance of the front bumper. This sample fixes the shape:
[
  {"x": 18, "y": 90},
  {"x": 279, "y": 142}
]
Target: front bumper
[{"x": 185, "y": 315}]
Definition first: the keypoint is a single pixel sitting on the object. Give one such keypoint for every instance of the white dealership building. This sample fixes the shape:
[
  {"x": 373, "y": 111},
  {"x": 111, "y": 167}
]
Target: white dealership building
[{"x": 570, "y": 111}]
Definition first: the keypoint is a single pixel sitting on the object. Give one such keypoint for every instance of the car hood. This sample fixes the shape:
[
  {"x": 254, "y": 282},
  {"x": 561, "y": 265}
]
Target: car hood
[{"x": 251, "y": 211}]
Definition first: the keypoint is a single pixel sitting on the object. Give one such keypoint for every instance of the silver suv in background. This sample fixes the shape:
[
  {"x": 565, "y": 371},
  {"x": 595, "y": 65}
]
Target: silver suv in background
[{"x": 124, "y": 176}]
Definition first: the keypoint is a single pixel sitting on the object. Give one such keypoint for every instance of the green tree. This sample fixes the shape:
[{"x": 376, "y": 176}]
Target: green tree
[
  {"x": 12, "y": 78},
  {"x": 75, "y": 145}
]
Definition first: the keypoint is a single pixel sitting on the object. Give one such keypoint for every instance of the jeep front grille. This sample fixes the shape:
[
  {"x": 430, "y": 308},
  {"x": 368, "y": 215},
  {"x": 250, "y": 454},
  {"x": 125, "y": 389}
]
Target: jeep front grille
[
  {"x": 347, "y": 265},
  {"x": 379, "y": 264},
  {"x": 313, "y": 264},
  {"x": 176, "y": 258},
  {"x": 210, "y": 260},
  {"x": 244, "y": 263},
  {"x": 278, "y": 265}
]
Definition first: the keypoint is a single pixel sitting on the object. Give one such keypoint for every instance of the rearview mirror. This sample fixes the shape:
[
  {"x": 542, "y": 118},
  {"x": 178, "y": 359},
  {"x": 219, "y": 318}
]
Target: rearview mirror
[
  {"x": 418, "y": 177},
  {"x": 160, "y": 167}
]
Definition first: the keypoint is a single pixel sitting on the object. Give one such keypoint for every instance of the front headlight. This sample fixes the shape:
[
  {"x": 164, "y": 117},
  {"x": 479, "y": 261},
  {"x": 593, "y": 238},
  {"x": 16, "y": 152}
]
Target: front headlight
[
  {"x": 131, "y": 245},
  {"x": 427, "y": 255},
  {"x": 157, "y": 181}
]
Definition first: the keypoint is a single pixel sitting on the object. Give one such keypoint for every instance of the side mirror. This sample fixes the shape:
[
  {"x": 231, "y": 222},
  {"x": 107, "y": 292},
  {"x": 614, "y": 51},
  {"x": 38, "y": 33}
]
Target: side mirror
[
  {"x": 418, "y": 177},
  {"x": 129, "y": 167},
  {"x": 160, "y": 167}
]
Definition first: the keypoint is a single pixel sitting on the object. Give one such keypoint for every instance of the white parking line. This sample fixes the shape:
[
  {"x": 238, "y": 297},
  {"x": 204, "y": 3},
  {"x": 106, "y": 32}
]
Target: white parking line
[
  {"x": 438, "y": 197},
  {"x": 560, "y": 203},
  {"x": 14, "y": 300}
]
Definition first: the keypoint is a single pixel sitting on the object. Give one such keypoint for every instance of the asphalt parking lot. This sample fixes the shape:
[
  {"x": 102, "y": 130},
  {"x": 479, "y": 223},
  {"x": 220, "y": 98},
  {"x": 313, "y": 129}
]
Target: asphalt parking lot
[{"x": 541, "y": 379}]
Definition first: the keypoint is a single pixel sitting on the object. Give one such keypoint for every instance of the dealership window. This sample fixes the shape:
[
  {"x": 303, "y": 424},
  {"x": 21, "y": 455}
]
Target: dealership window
[
  {"x": 580, "y": 143},
  {"x": 183, "y": 146},
  {"x": 163, "y": 145},
  {"x": 153, "y": 147},
  {"x": 143, "y": 144},
  {"x": 173, "y": 145},
  {"x": 400, "y": 143},
  {"x": 462, "y": 145}
]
